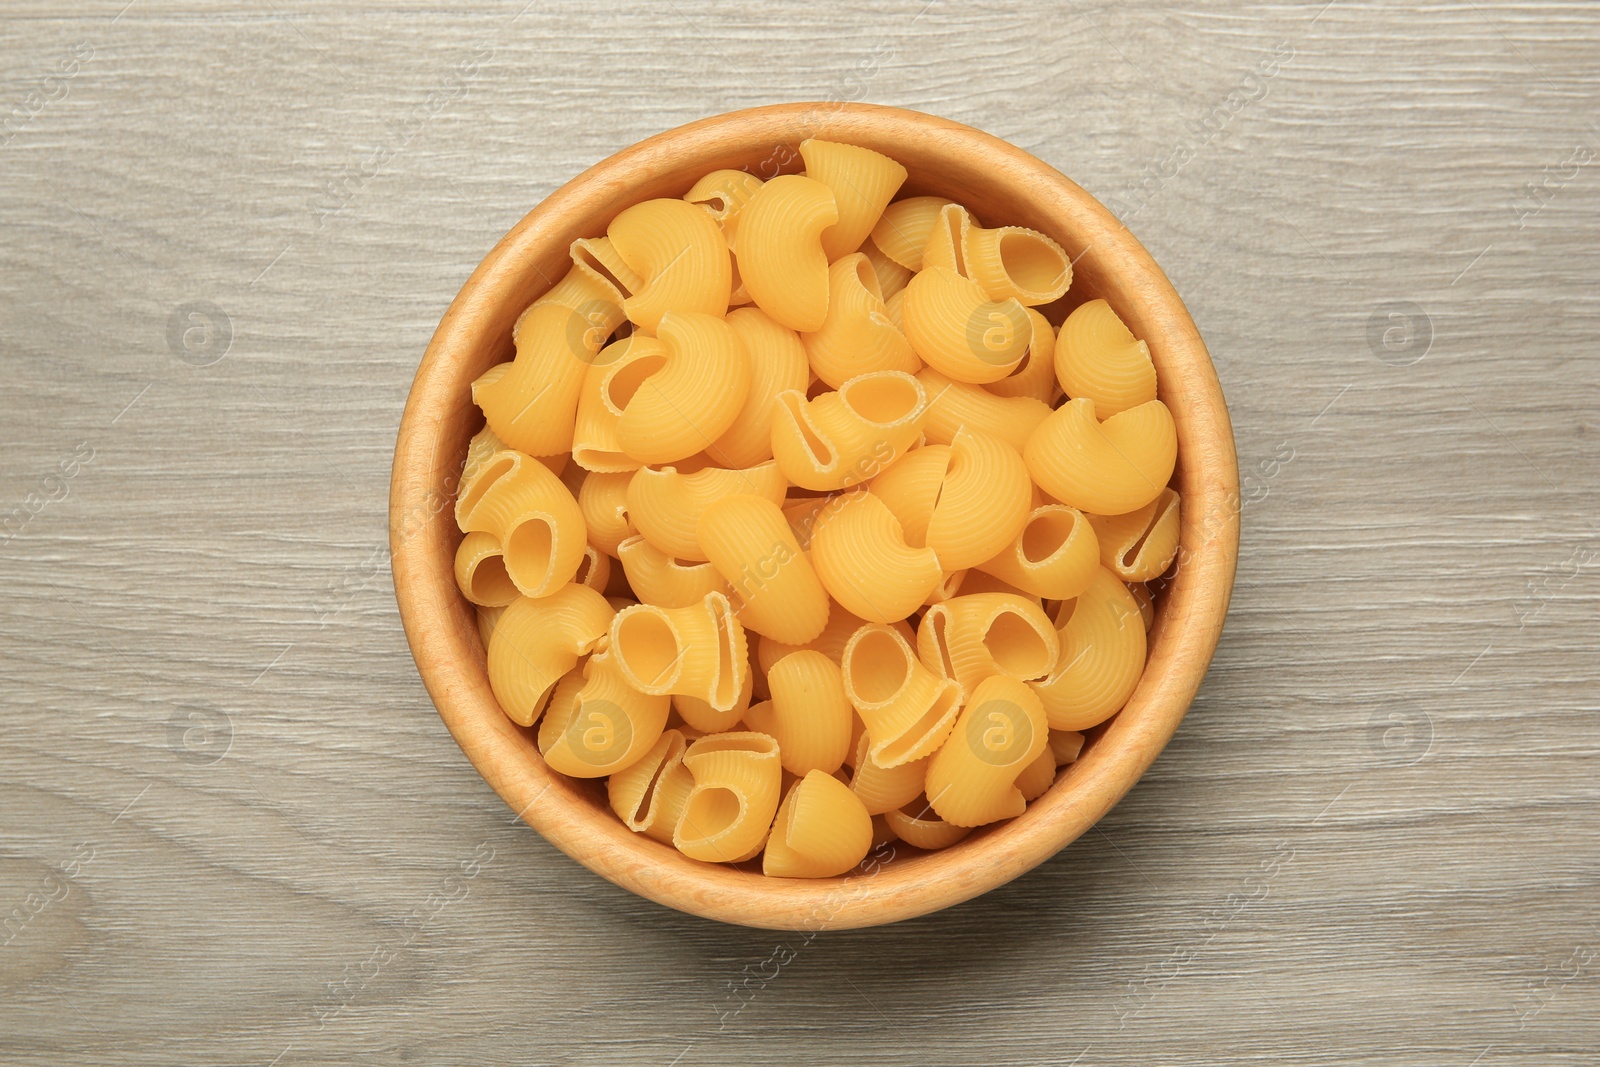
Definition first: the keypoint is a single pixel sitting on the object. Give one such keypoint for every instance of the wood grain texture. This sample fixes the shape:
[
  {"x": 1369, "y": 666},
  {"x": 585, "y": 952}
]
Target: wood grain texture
[{"x": 1373, "y": 840}]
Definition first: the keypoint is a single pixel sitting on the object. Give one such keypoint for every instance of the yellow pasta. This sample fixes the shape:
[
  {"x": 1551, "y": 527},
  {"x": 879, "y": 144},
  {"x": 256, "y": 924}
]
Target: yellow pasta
[
  {"x": 856, "y": 337},
  {"x": 821, "y": 830},
  {"x": 665, "y": 505},
  {"x": 724, "y": 193},
  {"x": 599, "y": 255},
  {"x": 883, "y": 789},
  {"x": 697, "y": 651},
  {"x": 893, "y": 307},
  {"x": 531, "y": 406},
  {"x": 918, "y": 826},
  {"x": 834, "y": 569},
  {"x": 594, "y": 570},
  {"x": 952, "y": 405},
  {"x": 750, "y": 543},
  {"x": 1142, "y": 544},
  {"x": 603, "y": 500},
  {"x": 1035, "y": 376},
  {"x": 1037, "y": 777},
  {"x": 698, "y": 715},
  {"x": 664, "y": 580},
  {"x": 1102, "y": 656},
  {"x": 809, "y": 713},
  {"x": 777, "y": 363},
  {"x": 1056, "y": 555},
  {"x": 484, "y": 443},
  {"x": 601, "y": 725},
  {"x": 487, "y": 617},
  {"x": 892, "y": 277},
  {"x": 780, "y": 253},
  {"x": 977, "y": 636},
  {"x": 947, "y": 239},
  {"x": 595, "y": 297},
  {"x": 680, "y": 256},
  {"x": 863, "y": 182},
  {"x": 691, "y": 401},
  {"x": 909, "y": 487},
  {"x": 907, "y": 709},
  {"x": 983, "y": 501},
  {"x": 956, "y": 329},
  {"x": 842, "y": 625},
  {"x": 902, "y": 233},
  {"x": 535, "y": 642},
  {"x": 608, "y": 385},
  {"x": 1096, "y": 356},
  {"x": 845, "y": 437},
  {"x": 730, "y": 809},
  {"x": 537, "y": 523},
  {"x": 649, "y": 795},
  {"x": 859, "y": 552},
  {"x": 1065, "y": 746},
  {"x": 481, "y": 571},
  {"x": 1016, "y": 263},
  {"x": 972, "y": 778},
  {"x": 1103, "y": 468}
]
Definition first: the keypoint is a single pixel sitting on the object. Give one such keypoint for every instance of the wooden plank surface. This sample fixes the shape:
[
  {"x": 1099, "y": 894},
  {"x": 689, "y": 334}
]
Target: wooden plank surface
[{"x": 235, "y": 832}]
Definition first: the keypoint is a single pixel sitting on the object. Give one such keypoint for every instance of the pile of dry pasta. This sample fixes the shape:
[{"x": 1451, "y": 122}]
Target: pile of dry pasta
[{"x": 795, "y": 519}]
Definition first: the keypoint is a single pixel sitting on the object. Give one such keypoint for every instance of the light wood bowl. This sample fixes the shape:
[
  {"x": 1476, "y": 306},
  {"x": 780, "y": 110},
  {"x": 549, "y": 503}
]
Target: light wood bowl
[{"x": 1003, "y": 185}]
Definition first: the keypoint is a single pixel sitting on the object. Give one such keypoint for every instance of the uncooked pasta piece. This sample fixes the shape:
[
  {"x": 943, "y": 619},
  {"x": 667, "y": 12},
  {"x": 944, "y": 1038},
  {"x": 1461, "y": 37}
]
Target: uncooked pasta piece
[
  {"x": 862, "y": 181},
  {"x": 750, "y": 543},
  {"x": 972, "y": 778},
  {"x": 665, "y": 504},
  {"x": 1097, "y": 357},
  {"x": 980, "y": 635},
  {"x": 779, "y": 249},
  {"x": 1102, "y": 656},
  {"x": 856, "y": 336},
  {"x": 696, "y": 651},
  {"x": 1103, "y": 468},
  {"x": 535, "y": 642},
  {"x": 680, "y": 256},
  {"x": 729, "y": 812},
  {"x": 908, "y": 710},
  {"x": 1142, "y": 544},
  {"x": 821, "y": 830},
  {"x": 844, "y": 438}
]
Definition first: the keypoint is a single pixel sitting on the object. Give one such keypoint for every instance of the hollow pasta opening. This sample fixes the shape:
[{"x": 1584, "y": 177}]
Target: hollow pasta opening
[
  {"x": 1030, "y": 262},
  {"x": 586, "y": 566},
  {"x": 820, "y": 451},
  {"x": 727, "y": 686},
  {"x": 711, "y": 811},
  {"x": 883, "y": 399},
  {"x": 869, "y": 277},
  {"x": 951, "y": 220},
  {"x": 582, "y": 254},
  {"x": 647, "y": 643},
  {"x": 1017, "y": 648},
  {"x": 492, "y": 472},
  {"x": 878, "y": 667},
  {"x": 1045, "y": 535},
  {"x": 647, "y": 799},
  {"x": 490, "y": 583},
  {"x": 529, "y": 548},
  {"x": 943, "y": 703},
  {"x": 939, "y": 621},
  {"x": 625, "y": 381}
]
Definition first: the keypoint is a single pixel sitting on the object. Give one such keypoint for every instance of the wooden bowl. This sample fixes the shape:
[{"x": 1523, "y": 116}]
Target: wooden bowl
[{"x": 1003, "y": 185}]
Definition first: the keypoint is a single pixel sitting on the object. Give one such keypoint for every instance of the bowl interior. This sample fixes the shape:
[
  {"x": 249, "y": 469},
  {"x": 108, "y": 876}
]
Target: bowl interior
[{"x": 1003, "y": 186}]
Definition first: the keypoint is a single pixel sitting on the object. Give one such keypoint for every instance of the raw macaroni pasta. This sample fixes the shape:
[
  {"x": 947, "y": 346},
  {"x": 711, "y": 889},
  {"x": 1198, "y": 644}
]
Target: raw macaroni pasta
[{"x": 797, "y": 520}]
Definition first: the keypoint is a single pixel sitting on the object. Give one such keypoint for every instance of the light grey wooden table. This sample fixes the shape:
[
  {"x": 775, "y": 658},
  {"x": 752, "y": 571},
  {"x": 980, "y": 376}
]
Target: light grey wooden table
[{"x": 234, "y": 831}]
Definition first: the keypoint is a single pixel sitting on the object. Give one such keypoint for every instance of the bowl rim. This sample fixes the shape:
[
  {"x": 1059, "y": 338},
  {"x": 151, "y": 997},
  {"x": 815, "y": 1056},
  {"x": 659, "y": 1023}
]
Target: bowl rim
[{"x": 442, "y": 631}]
